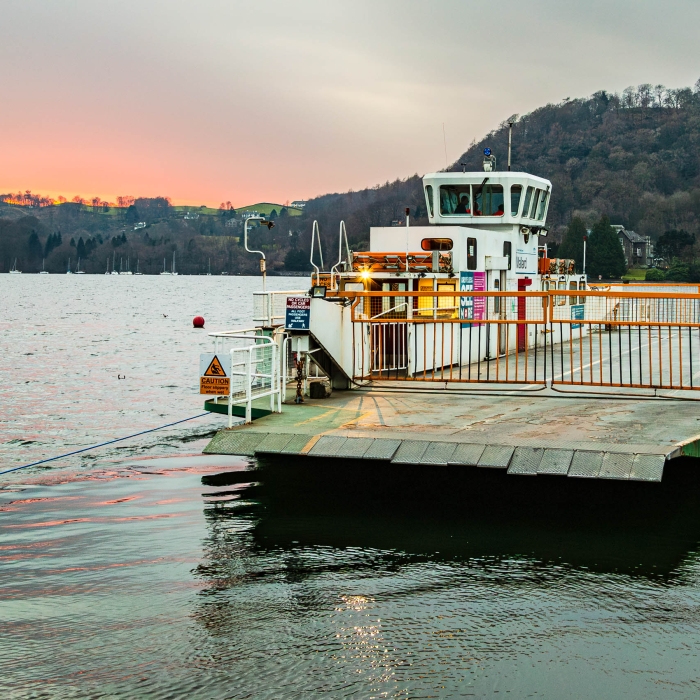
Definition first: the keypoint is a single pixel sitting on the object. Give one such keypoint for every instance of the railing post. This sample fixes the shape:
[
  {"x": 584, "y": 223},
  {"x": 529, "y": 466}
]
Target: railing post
[
  {"x": 283, "y": 362},
  {"x": 230, "y": 394},
  {"x": 272, "y": 378},
  {"x": 248, "y": 390}
]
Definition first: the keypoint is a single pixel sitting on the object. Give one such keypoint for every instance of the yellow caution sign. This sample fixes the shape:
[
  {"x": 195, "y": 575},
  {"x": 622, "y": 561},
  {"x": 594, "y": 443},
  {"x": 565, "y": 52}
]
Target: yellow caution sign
[
  {"x": 215, "y": 369},
  {"x": 214, "y": 374}
]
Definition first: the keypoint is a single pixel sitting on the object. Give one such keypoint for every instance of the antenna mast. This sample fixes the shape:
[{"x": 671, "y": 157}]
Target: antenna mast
[{"x": 510, "y": 141}]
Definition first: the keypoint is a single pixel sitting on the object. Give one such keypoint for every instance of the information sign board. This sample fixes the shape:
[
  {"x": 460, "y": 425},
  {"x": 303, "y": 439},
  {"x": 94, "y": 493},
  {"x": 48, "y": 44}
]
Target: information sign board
[
  {"x": 472, "y": 308},
  {"x": 298, "y": 313},
  {"x": 578, "y": 314},
  {"x": 214, "y": 374}
]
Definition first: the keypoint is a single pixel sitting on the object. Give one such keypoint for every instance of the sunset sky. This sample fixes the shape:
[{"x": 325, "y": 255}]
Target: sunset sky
[{"x": 213, "y": 100}]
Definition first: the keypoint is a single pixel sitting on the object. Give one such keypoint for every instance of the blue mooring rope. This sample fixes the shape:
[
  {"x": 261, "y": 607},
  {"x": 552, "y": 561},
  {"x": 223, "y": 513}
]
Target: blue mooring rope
[{"x": 102, "y": 444}]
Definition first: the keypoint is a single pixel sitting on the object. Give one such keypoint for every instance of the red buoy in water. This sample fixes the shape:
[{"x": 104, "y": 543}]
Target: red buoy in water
[{"x": 198, "y": 322}]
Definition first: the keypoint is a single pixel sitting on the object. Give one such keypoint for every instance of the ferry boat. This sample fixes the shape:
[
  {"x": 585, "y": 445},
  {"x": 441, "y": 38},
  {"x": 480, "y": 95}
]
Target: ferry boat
[
  {"x": 471, "y": 297},
  {"x": 410, "y": 306},
  {"x": 483, "y": 235}
]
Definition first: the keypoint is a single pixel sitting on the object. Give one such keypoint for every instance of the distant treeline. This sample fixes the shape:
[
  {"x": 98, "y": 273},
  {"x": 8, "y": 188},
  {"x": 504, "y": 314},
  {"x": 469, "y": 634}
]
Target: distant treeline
[
  {"x": 632, "y": 157},
  {"x": 144, "y": 233}
]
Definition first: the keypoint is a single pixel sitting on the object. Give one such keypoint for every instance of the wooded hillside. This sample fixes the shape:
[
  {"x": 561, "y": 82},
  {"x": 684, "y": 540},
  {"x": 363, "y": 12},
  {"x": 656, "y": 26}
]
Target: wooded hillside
[{"x": 633, "y": 157}]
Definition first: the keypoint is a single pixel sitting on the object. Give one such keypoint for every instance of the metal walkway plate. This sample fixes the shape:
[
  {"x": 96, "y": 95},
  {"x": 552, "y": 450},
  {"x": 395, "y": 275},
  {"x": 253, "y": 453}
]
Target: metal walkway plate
[
  {"x": 235, "y": 442},
  {"x": 382, "y": 449},
  {"x": 296, "y": 445},
  {"x": 648, "y": 468},
  {"x": 410, "y": 452},
  {"x": 496, "y": 456},
  {"x": 274, "y": 443},
  {"x": 327, "y": 446},
  {"x": 586, "y": 464},
  {"x": 467, "y": 454},
  {"x": 526, "y": 460},
  {"x": 354, "y": 447},
  {"x": 616, "y": 466},
  {"x": 438, "y": 453},
  {"x": 555, "y": 461}
]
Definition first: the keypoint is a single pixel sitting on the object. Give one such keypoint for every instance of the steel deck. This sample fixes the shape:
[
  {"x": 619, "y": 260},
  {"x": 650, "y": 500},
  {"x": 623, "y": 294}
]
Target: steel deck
[{"x": 526, "y": 432}]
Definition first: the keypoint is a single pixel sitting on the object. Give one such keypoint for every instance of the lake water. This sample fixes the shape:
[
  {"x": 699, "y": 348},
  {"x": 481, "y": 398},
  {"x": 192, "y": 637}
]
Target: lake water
[{"x": 147, "y": 570}]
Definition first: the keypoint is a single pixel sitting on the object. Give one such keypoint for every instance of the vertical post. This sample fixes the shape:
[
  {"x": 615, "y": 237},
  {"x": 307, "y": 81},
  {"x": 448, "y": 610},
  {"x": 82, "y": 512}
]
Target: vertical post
[
  {"x": 272, "y": 377},
  {"x": 248, "y": 392},
  {"x": 407, "y": 225},
  {"x": 260, "y": 252},
  {"x": 510, "y": 141},
  {"x": 585, "y": 238},
  {"x": 230, "y": 394},
  {"x": 283, "y": 373}
]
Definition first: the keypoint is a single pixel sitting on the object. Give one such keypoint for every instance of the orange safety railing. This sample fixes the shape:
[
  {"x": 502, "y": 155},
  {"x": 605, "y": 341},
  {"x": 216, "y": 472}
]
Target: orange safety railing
[{"x": 570, "y": 337}]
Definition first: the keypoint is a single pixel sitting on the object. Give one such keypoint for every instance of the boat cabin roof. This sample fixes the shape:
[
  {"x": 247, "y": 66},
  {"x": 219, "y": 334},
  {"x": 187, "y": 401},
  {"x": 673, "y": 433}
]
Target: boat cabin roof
[{"x": 487, "y": 198}]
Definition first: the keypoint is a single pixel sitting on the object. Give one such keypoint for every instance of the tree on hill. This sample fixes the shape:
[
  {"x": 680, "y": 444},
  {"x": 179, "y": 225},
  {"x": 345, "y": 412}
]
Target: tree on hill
[
  {"x": 34, "y": 248},
  {"x": 675, "y": 244},
  {"x": 572, "y": 244},
  {"x": 605, "y": 256},
  {"x": 132, "y": 215},
  {"x": 153, "y": 208},
  {"x": 297, "y": 260}
]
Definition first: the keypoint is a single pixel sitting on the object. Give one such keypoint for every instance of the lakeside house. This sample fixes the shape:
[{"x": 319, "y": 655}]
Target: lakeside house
[{"x": 639, "y": 251}]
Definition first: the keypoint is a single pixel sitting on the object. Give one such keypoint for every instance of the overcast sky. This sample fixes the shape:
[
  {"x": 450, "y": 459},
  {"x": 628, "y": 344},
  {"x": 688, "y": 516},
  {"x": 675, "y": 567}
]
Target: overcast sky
[{"x": 214, "y": 100}]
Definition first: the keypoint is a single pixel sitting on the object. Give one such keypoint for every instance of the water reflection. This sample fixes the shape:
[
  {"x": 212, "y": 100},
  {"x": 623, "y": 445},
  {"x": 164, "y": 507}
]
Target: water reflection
[
  {"x": 456, "y": 514},
  {"x": 352, "y": 579}
]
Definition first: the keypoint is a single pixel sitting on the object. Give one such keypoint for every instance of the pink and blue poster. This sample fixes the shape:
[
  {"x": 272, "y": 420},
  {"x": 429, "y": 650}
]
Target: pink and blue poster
[{"x": 472, "y": 308}]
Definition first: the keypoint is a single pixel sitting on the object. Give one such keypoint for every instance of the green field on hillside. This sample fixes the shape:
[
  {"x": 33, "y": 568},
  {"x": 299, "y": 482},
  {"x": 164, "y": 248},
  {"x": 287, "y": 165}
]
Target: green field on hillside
[{"x": 267, "y": 207}]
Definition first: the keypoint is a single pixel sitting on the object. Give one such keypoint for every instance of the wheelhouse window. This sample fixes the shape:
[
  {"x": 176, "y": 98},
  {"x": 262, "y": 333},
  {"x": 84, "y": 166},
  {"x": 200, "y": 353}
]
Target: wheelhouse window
[
  {"x": 516, "y": 193},
  {"x": 436, "y": 244},
  {"x": 528, "y": 200},
  {"x": 455, "y": 200},
  {"x": 507, "y": 251},
  {"x": 572, "y": 299},
  {"x": 471, "y": 253},
  {"x": 429, "y": 198},
  {"x": 533, "y": 205},
  {"x": 488, "y": 200},
  {"x": 543, "y": 206}
]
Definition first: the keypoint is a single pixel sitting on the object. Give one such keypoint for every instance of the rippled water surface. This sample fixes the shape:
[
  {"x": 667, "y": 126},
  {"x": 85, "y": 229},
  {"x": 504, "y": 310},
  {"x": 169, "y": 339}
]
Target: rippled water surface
[{"x": 152, "y": 571}]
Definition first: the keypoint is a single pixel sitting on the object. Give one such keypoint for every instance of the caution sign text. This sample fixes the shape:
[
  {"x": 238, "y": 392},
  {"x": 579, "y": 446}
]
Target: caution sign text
[{"x": 214, "y": 374}]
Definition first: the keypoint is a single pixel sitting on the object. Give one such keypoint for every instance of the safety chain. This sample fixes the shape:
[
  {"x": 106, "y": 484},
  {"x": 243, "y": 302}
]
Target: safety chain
[{"x": 299, "y": 398}]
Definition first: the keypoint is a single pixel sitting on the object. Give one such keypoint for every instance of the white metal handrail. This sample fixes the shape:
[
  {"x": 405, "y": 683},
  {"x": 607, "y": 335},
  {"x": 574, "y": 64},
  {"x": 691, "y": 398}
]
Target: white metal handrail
[
  {"x": 252, "y": 364},
  {"x": 342, "y": 235},
  {"x": 255, "y": 371},
  {"x": 270, "y": 307},
  {"x": 316, "y": 236}
]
